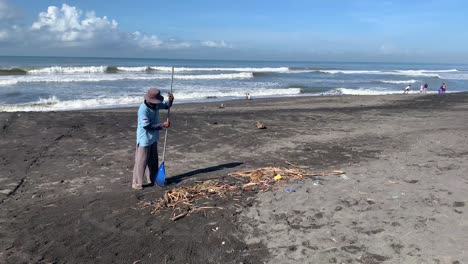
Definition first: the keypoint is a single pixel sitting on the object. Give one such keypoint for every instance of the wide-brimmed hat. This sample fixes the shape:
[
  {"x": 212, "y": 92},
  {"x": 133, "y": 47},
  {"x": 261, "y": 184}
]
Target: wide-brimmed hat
[{"x": 153, "y": 96}]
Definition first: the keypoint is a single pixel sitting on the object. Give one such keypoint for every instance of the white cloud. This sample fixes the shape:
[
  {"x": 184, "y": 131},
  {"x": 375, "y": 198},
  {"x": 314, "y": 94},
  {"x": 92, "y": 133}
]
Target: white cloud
[
  {"x": 214, "y": 44},
  {"x": 146, "y": 41},
  {"x": 177, "y": 44},
  {"x": 69, "y": 27}
]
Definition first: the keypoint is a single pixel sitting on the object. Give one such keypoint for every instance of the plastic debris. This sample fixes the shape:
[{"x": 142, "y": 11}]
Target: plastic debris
[
  {"x": 260, "y": 125},
  {"x": 277, "y": 177},
  {"x": 344, "y": 177},
  {"x": 293, "y": 188},
  {"x": 316, "y": 182},
  {"x": 289, "y": 189}
]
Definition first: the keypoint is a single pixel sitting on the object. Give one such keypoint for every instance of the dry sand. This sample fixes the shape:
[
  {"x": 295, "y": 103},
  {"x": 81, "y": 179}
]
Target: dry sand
[{"x": 65, "y": 177}]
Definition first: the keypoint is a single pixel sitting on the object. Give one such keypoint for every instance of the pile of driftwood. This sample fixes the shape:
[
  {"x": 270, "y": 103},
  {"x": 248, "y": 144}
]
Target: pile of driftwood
[{"x": 183, "y": 200}]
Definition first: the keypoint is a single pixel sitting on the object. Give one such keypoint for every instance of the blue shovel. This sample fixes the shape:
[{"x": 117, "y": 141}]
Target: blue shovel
[{"x": 161, "y": 177}]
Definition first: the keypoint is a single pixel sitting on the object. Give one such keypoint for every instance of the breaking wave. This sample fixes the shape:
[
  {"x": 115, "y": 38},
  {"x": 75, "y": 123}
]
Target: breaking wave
[
  {"x": 426, "y": 73},
  {"x": 55, "y": 104},
  {"x": 110, "y": 77},
  {"x": 400, "y": 82},
  {"x": 247, "y": 69},
  {"x": 363, "y": 91},
  {"x": 13, "y": 71}
]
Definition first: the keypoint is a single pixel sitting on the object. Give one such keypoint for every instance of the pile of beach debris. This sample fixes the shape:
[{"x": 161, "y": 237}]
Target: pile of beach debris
[{"x": 183, "y": 200}]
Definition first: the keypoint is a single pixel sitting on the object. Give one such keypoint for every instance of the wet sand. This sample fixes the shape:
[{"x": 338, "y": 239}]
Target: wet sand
[{"x": 65, "y": 193}]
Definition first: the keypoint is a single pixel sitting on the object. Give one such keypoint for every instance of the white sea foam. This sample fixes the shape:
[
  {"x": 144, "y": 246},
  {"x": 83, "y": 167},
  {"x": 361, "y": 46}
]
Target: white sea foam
[
  {"x": 117, "y": 77},
  {"x": 133, "y": 69},
  {"x": 238, "y": 93},
  {"x": 424, "y": 73},
  {"x": 54, "y": 104},
  {"x": 103, "y": 69},
  {"x": 362, "y": 91},
  {"x": 455, "y": 76},
  {"x": 62, "y": 70},
  {"x": 8, "y": 82},
  {"x": 185, "y": 69},
  {"x": 400, "y": 82},
  {"x": 241, "y": 75}
]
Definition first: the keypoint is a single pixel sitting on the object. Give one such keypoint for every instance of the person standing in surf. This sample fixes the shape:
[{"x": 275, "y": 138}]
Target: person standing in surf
[
  {"x": 407, "y": 89},
  {"x": 425, "y": 87},
  {"x": 443, "y": 88},
  {"x": 147, "y": 137}
]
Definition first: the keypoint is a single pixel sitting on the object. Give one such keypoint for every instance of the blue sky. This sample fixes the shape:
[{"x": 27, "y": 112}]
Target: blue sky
[{"x": 347, "y": 30}]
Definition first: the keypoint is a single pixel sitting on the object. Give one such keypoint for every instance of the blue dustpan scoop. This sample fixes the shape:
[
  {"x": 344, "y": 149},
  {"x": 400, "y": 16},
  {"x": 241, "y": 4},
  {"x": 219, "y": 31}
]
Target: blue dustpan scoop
[{"x": 161, "y": 178}]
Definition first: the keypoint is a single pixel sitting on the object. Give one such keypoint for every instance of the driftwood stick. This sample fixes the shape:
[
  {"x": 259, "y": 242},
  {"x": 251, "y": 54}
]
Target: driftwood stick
[{"x": 179, "y": 216}]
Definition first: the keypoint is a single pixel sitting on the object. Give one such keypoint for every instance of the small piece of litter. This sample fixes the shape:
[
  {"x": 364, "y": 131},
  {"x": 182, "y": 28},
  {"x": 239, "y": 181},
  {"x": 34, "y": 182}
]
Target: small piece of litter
[{"x": 344, "y": 177}]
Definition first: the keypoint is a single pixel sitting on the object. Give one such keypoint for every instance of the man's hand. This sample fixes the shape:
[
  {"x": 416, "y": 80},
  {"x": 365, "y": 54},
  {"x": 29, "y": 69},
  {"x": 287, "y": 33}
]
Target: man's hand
[
  {"x": 171, "y": 97},
  {"x": 166, "y": 124}
]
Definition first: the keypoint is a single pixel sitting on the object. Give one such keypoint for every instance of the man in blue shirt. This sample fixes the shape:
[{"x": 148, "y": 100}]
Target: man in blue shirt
[{"x": 147, "y": 136}]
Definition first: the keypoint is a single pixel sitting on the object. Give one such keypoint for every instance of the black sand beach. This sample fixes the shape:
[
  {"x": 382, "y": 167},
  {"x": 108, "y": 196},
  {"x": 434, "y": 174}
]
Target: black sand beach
[{"x": 65, "y": 193}]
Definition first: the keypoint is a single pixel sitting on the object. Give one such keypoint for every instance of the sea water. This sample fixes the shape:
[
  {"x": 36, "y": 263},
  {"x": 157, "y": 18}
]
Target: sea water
[{"x": 62, "y": 83}]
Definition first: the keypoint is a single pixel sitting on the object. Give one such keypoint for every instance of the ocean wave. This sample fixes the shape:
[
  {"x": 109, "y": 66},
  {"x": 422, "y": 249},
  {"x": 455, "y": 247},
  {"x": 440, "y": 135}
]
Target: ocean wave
[
  {"x": 399, "y": 82},
  {"x": 241, "y": 75},
  {"x": 240, "y": 69},
  {"x": 12, "y": 71},
  {"x": 61, "y": 70},
  {"x": 134, "y": 69},
  {"x": 456, "y": 76},
  {"x": 422, "y": 73},
  {"x": 55, "y": 104},
  {"x": 8, "y": 82},
  {"x": 118, "y": 77},
  {"x": 364, "y": 91},
  {"x": 206, "y": 94},
  {"x": 115, "y": 69}
]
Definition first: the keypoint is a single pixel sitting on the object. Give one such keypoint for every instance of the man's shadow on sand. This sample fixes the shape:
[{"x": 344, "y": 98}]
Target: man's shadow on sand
[{"x": 181, "y": 177}]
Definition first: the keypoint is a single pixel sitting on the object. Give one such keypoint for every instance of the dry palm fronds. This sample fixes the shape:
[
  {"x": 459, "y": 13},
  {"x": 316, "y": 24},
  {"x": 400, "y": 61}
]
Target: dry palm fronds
[
  {"x": 182, "y": 200},
  {"x": 267, "y": 173}
]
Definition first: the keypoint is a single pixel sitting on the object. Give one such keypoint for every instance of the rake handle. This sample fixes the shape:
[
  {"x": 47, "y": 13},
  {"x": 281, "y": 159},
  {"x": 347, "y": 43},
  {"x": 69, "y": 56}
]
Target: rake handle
[{"x": 168, "y": 113}]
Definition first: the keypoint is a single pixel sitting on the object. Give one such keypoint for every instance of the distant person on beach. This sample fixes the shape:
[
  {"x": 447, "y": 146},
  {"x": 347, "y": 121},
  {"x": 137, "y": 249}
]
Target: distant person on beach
[
  {"x": 248, "y": 97},
  {"x": 443, "y": 88},
  {"x": 407, "y": 89},
  {"x": 425, "y": 87},
  {"x": 421, "y": 89},
  {"x": 147, "y": 136}
]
